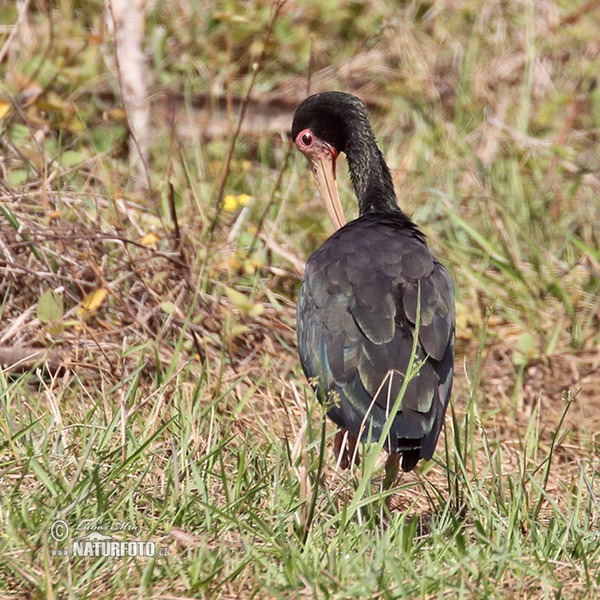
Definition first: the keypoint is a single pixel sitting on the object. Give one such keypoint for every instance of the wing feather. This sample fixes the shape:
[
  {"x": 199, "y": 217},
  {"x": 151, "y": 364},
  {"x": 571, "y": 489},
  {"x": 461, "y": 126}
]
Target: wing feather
[{"x": 357, "y": 311}]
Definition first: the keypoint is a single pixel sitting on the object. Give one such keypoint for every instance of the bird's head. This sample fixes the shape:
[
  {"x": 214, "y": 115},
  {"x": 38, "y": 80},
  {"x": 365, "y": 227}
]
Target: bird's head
[{"x": 321, "y": 129}]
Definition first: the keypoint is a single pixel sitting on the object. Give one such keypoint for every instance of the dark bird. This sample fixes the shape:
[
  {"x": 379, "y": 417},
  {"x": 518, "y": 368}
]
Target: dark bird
[{"x": 363, "y": 292}]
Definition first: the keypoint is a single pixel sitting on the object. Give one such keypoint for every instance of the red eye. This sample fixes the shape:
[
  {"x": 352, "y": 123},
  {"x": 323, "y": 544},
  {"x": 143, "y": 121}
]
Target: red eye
[{"x": 307, "y": 138}]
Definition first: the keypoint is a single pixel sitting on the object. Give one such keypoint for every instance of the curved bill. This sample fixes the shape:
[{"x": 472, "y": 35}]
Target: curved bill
[{"x": 323, "y": 167}]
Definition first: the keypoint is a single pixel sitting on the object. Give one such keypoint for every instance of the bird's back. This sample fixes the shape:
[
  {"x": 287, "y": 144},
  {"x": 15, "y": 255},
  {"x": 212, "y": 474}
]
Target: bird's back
[{"x": 357, "y": 310}]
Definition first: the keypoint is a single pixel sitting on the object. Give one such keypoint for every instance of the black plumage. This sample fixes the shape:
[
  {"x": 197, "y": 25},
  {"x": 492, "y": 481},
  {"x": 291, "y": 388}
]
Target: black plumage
[{"x": 357, "y": 306}]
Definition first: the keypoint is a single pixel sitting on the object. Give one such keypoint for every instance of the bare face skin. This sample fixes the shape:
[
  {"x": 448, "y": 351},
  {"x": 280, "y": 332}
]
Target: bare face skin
[{"x": 321, "y": 157}]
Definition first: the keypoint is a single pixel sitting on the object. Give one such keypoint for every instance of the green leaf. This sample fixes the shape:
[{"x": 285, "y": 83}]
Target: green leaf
[
  {"x": 256, "y": 310},
  {"x": 243, "y": 303},
  {"x": 17, "y": 177},
  {"x": 21, "y": 132},
  {"x": 71, "y": 158},
  {"x": 526, "y": 349},
  {"x": 168, "y": 307},
  {"x": 526, "y": 344},
  {"x": 50, "y": 307},
  {"x": 238, "y": 329}
]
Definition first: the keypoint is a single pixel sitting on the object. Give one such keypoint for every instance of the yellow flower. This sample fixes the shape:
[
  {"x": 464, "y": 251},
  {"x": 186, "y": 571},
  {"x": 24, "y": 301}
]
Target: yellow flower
[
  {"x": 243, "y": 199},
  {"x": 4, "y": 109},
  {"x": 230, "y": 203},
  {"x": 233, "y": 262}
]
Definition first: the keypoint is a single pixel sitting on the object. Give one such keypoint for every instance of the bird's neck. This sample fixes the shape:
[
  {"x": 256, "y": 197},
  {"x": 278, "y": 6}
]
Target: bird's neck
[{"x": 370, "y": 176}]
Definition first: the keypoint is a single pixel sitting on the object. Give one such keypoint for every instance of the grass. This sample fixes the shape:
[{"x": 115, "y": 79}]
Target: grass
[{"x": 180, "y": 408}]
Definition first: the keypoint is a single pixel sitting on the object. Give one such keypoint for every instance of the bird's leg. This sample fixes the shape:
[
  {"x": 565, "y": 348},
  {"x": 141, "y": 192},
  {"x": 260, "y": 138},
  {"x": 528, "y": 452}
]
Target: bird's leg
[
  {"x": 352, "y": 450},
  {"x": 344, "y": 449},
  {"x": 391, "y": 469}
]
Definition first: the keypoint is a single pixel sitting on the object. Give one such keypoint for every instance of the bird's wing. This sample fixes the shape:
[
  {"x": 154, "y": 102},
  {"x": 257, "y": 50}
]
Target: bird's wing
[{"x": 357, "y": 311}]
